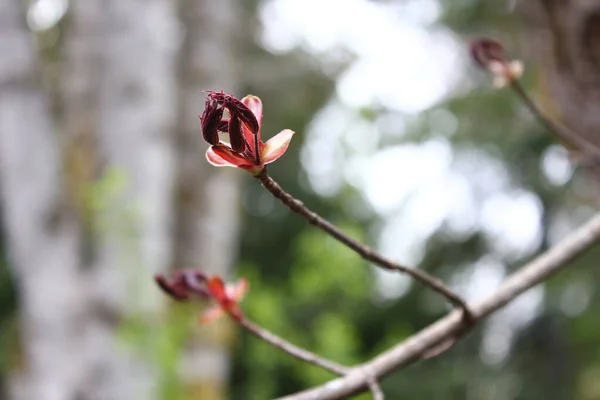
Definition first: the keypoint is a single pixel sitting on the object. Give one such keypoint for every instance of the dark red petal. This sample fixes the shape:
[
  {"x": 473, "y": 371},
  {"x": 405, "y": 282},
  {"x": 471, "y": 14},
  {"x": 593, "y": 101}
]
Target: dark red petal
[
  {"x": 209, "y": 105},
  {"x": 236, "y": 137},
  {"x": 173, "y": 290},
  {"x": 211, "y": 119},
  {"x": 246, "y": 116}
]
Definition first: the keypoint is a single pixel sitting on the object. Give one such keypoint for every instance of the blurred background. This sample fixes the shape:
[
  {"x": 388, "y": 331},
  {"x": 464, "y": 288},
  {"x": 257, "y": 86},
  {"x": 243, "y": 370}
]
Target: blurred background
[{"x": 400, "y": 141}]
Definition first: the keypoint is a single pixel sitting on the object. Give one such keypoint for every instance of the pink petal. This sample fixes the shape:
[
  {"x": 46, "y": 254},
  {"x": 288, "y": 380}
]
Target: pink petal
[
  {"x": 222, "y": 156},
  {"x": 276, "y": 146},
  {"x": 251, "y": 140},
  {"x": 239, "y": 290},
  {"x": 211, "y": 314},
  {"x": 255, "y": 105}
]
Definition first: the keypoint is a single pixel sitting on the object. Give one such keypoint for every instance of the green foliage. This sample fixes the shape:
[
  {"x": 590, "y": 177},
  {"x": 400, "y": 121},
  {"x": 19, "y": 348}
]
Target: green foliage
[
  {"x": 9, "y": 334},
  {"x": 314, "y": 310},
  {"x": 160, "y": 342}
]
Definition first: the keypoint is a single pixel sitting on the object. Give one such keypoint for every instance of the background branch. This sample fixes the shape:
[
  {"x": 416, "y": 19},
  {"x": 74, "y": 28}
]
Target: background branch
[
  {"x": 451, "y": 326},
  {"x": 588, "y": 151}
]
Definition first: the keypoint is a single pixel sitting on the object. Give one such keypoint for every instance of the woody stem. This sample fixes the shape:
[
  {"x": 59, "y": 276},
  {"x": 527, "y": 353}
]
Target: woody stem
[
  {"x": 292, "y": 349},
  {"x": 364, "y": 251}
]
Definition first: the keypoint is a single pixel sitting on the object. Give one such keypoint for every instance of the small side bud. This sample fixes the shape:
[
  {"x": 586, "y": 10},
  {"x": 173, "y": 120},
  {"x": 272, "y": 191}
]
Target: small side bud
[
  {"x": 486, "y": 51},
  {"x": 490, "y": 54},
  {"x": 508, "y": 73}
]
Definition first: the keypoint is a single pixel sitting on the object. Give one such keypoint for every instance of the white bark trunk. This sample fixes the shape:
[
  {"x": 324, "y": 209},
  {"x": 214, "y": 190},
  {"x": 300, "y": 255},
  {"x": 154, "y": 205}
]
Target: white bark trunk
[
  {"x": 207, "y": 198},
  {"x": 119, "y": 111},
  {"x": 42, "y": 233},
  {"x": 120, "y": 83}
]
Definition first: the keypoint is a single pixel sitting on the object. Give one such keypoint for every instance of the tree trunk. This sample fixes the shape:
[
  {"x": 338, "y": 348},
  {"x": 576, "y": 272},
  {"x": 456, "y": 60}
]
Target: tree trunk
[
  {"x": 123, "y": 192},
  {"x": 42, "y": 230},
  {"x": 119, "y": 102},
  {"x": 207, "y": 199}
]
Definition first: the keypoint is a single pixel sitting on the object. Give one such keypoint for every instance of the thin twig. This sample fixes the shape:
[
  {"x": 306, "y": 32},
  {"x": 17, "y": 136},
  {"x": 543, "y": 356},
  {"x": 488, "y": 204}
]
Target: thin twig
[
  {"x": 452, "y": 326},
  {"x": 375, "y": 389},
  {"x": 292, "y": 349},
  {"x": 589, "y": 150},
  {"x": 364, "y": 251}
]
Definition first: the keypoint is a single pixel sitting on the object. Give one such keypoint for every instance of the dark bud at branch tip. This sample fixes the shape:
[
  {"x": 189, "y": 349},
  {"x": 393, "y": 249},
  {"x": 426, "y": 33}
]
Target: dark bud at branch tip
[
  {"x": 485, "y": 51},
  {"x": 238, "y": 144}
]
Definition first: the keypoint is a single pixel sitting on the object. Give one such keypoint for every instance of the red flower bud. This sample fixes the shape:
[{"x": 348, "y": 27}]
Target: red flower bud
[
  {"x": 189, "y": 284},
  {"x": 246, "y": 150}
]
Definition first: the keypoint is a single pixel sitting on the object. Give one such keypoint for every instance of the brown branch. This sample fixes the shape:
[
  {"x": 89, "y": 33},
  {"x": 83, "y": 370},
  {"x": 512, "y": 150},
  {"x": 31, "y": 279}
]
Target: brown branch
[
  {"x": 292, "y": 349},
  {"x": 451, "y": 326},
  {"x": 588, "y": 150},
  {"x": 365, "y": 252}
]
